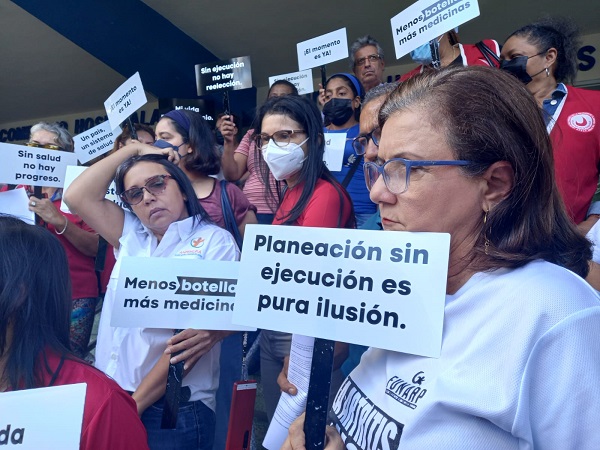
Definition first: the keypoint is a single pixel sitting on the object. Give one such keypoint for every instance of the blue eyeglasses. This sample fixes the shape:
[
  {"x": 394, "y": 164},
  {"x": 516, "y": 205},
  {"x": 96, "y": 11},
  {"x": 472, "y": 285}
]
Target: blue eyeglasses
[{"x": 396, "y": 172}]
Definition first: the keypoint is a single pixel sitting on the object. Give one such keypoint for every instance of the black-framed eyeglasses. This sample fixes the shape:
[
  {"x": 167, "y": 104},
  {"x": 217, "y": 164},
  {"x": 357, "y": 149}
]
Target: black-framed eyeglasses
[
  {"x": 396, "y": 172},
  {"x": 281, "y": 138},
  {"x": 156, "y": 185},
  {"x": 372, "y": 59},
  {"x": 46, "y": 146},
  {"x": 361, "y": 142}
]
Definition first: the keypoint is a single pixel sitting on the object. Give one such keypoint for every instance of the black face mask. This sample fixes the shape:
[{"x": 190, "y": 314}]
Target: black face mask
[
  {"x": 518, "y": 67},
  {"x": 338, "y": 111},
  {"x": 219, "y": 137}
]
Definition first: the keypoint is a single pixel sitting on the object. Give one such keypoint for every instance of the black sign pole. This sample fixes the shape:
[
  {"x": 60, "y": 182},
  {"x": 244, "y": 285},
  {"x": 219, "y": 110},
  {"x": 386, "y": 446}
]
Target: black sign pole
[
  {"x": 172, "y": 393},
  {"x": 226, "y": 106},
  {"x": 323, "y": 76},
  {"x": 317, "y": 399},
  {"x": 132, "y": 129},
  {"x": 37, "y": 193}
]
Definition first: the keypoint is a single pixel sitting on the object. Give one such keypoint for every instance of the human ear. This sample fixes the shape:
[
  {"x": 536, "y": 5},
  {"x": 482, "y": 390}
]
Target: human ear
[
  {"x": 551, "y": 56},
  {"x": 499, "y": 178}
]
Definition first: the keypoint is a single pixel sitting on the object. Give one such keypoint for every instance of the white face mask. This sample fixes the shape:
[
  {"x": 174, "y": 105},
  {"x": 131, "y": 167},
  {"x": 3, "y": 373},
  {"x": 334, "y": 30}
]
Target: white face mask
[{"x": 284, "y": 161}]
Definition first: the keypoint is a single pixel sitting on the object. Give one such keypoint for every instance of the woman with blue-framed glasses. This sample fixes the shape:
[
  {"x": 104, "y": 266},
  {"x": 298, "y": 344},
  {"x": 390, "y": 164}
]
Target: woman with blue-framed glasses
[{"x": 464, "y": 151}]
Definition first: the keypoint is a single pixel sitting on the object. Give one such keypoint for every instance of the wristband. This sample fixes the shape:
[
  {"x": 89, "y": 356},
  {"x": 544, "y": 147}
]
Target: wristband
[{"x": 64, "y": 228}]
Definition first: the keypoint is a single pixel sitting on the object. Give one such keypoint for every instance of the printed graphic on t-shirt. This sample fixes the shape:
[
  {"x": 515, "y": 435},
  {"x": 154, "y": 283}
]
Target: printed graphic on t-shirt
[
  {"x": 361, "y": 424},
  {"x": 582, "y": 121},
  {"x": 194, "y": 248},
  {"x": 408, "y": 393}
]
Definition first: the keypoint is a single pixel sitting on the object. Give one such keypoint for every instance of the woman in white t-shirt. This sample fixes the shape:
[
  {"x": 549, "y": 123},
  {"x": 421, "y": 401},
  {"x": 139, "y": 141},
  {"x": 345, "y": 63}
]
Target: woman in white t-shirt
[
  {"x": 164, "y": 219},
  {"x": 465, "y": 151}
]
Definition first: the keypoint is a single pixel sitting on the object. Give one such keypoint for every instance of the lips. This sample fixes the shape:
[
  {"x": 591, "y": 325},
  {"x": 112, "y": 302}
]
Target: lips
[{"x": 154, "y": 211}]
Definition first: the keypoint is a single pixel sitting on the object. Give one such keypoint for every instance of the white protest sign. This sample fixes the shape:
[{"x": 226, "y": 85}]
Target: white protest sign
[
  {"x": 127, "y": 99},
  {"x": 16, "y": 203},
  {"x": 176, "y": 293},
  {"x": 34, "y": 166},
  {"x": 323, "y": 49},
  {"x": 95, "y": 142},
  {"x": 73, "y": 172},
  {"x": 225, "y": 75},
  {"x": 335, "y": 144},
  {"x": 302, "y": 80},
  {"x": 428, "y": 19},
  {"x": 45, "y": 418},
  {"x": 379, "y": 289}
]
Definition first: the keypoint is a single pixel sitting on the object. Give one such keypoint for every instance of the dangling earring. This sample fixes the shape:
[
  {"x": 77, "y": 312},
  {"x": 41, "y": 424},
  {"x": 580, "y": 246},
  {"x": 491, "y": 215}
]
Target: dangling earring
[
  {"x": 486, "y": 244},
  {"x": 547, "y": 72}
]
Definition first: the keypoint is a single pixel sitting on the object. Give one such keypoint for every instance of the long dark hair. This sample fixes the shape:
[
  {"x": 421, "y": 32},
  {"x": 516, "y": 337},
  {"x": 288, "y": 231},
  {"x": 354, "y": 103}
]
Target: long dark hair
[
  {"x": 307, "y": 115},
  {"x": 192, "y": 204},
  {"x": 488, "y": 116},
  {"x": 560, "y": 33},
  {"x": 35, "y": 301},
  {"x": 204, "y": 158}
]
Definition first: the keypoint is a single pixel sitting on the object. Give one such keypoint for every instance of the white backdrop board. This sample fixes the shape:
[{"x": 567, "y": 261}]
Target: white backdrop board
[{"x": 380, "y": 289}]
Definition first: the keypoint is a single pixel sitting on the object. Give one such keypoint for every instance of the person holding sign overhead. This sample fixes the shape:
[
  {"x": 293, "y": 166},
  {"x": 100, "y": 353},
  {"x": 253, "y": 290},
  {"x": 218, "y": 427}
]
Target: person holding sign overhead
[
  {"x": 341, "y": 111},
  {"x": 163, "y": 219},
  {"x": 35, "y": 305},
  {"x": 543, "y": 56},
  {"x": 290, "y": 137},
  {"x": 79, "y": 240},
  {"x": 452, "y": 52},
  {"x": 520, "y": 356}
]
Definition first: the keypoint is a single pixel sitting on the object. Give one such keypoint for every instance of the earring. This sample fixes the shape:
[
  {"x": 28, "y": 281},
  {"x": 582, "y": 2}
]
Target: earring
[
  {"x": 486, "y": 244},
  {"x": 547, "y": 72}
]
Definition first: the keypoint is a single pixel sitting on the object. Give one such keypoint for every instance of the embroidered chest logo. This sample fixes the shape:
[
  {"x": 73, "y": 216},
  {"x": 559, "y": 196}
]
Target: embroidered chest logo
[
  {"x": 582, "y": 121},
  {"x": 361, "y": 423},
  {"x": 405, "y": 392},
  {"x": 197, "y": 242}
]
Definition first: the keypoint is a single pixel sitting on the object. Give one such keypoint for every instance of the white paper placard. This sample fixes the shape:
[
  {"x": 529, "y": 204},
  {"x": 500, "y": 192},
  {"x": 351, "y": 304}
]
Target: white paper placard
[
  {"x": 428, "y": 19},
  {"x": 34, "y": 166},
  {"x": 322, "y": 49},
  {"x": 45, "y": 418},
  {"x": 127, "y": 99},
  {"x": 73, "y": 172},
  {"x": 176, "y": 293},
  {"x": 379, "y": 289},
  {"x": 16, "y": 203},
  {"x": 302, "y": 80},
  {"x": 335, "y": 144},
  {"x": 95, "y": 141}
]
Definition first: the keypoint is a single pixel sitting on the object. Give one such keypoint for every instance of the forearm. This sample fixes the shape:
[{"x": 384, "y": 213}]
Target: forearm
[
  {"x": 233, "y": 169},
  {"x": 84, "y": 241},
  {"x": 153, "y": 385}
]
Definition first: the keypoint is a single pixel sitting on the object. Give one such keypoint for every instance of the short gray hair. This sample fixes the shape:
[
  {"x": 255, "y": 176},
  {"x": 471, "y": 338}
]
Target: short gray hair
[
  {"x": 383, "y": 89},
  {"x": 363, "y": 42},
  {"x": 63, "y": 138}
]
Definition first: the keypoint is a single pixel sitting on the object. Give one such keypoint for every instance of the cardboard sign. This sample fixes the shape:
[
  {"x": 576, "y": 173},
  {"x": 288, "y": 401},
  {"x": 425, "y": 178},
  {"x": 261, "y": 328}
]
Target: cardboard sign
[
  {"x": 302, "y": 80},
  {"x": 323, "y": 49},
  {"x": 127, "y": 99},
  {"x": 73, "y": 172},
  {"x": 49, "y": 417},
  {"x": 380, "y": 289},
  {"x": 176, "y": 293},
  {"x": 34, "y": 166},
  {"x": 428, "y": 19},
  {"x": 95, "y": 142},
  {"x": 226, "y": 75},
  {"x": 16, "y": 203},
  {"x": 335, "y": 144}
]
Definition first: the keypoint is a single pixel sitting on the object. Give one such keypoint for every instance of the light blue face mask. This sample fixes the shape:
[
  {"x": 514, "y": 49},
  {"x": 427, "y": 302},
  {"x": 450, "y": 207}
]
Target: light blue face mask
[{"x": 422, "y": 54}]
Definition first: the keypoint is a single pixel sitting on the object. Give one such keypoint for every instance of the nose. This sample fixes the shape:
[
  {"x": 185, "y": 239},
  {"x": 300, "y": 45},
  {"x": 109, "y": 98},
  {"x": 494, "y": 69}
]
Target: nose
[
  {"x": 148, "y": 196},
  {"x": 371, "y": 151},
  {"x": 380, "y": 193}
]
